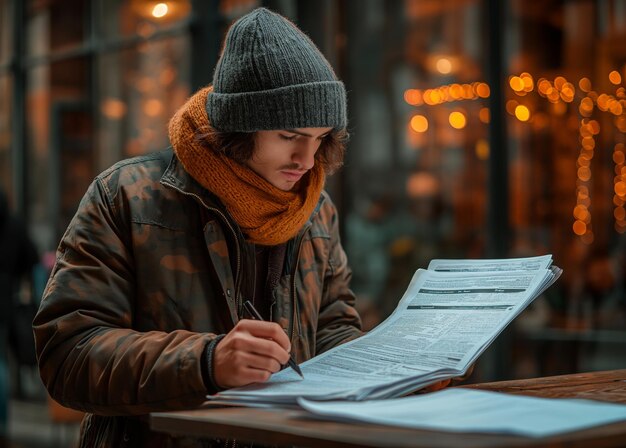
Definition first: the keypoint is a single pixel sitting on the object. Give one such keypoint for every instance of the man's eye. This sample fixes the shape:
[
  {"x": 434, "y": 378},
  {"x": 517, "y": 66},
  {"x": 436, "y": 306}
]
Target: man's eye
[{"x": 287, "y": 137}]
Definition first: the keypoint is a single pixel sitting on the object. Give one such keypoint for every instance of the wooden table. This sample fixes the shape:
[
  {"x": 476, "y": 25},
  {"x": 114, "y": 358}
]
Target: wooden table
[{"x": 293, "y": 427}]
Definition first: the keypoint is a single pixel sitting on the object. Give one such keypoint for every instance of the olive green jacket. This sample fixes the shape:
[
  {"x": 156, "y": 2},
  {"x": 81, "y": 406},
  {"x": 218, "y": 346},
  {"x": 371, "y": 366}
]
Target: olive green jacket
[{"x": 150, "y": 270}]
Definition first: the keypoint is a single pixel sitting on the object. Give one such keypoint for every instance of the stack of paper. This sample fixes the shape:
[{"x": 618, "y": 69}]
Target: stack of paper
[
  {"x": 447, "y": 318},
  {"x": 466, "y": 410}
]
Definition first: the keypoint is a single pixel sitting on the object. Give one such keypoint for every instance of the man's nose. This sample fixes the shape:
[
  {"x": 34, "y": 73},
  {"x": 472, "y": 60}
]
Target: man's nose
[{"x": 305, "y": 154}]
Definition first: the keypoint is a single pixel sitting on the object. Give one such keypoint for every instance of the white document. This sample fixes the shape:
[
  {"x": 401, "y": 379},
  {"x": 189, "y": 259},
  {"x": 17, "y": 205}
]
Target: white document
[
  {"x": 506, "y": 264},
  {"x": 466, "y": 410},
  {"x": 443, "y": 323}
]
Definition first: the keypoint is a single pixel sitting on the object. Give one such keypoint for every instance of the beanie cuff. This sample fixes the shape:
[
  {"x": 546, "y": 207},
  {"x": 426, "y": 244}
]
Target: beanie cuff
[{"x": 310, "y": 105}]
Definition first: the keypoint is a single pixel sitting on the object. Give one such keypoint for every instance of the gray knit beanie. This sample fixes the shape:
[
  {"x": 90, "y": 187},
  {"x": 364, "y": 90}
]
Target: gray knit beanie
[{"x": 272, "y": 76}]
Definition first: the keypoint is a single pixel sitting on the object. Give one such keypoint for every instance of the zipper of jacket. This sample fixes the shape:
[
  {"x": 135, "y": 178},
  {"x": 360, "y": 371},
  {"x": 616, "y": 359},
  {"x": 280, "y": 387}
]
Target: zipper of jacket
[
  {"x": 232, "y": 229},
  {"x": 296, "y": 320}
]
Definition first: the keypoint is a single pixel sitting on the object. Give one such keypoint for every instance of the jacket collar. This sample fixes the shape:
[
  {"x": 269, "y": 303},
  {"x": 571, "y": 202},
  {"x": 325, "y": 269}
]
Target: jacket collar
[{"x": 176, "y": 176}]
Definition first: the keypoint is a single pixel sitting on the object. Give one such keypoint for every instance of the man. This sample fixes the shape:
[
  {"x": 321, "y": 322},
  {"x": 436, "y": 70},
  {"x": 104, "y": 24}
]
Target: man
[{"x": 143, "y": 310}]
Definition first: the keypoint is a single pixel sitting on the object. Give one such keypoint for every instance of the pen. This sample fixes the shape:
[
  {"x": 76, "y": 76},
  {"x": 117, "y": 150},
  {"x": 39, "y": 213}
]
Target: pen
[{"x": 254, "y": 313}]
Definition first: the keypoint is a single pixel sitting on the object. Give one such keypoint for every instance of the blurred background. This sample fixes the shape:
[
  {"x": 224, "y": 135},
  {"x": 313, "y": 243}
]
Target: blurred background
[{"x": 479, "y": 129}]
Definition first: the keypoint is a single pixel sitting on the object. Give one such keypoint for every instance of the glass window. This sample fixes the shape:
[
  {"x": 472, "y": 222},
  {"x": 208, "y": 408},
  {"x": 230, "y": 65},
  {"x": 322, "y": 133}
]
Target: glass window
[
  {"x": 123, "y": 18},
  {"x": 233, "y": 9},
  {"x": 55, "y": 26},
  {"x": 6, "y": 31},
  {"x": 140, "y": 89},
  {"x": 416, "y": 166},
  {"x": 416, "y": 172},
  {"x": 566, "y": 109},
  {"x": 6, "y": 162},
  {"x": 72, "y": 148},
  {"x": 58, "y": 143},
  {"x": 415, "y": 181}
]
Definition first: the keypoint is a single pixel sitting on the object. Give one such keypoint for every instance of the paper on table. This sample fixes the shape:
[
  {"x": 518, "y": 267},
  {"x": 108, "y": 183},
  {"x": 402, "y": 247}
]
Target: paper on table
[{"x": 467, "y": 410}]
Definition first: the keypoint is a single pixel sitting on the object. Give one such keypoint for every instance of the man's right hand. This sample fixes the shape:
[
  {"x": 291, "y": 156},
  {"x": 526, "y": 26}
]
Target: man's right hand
[{"x": 250, "y": 353}]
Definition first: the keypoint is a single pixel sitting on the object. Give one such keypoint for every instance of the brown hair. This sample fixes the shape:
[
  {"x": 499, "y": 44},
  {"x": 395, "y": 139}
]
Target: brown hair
[{"x": 239, "y": 146}]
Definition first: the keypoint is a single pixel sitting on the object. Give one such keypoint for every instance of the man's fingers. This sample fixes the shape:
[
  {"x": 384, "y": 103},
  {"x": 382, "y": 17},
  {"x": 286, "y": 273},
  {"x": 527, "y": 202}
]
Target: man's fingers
[
  {"x": 246, "y": 368},
  {"x": 266, "y": 330},
  {"x": 246, "y": 343},
  {"x": 253, "y": 361}
]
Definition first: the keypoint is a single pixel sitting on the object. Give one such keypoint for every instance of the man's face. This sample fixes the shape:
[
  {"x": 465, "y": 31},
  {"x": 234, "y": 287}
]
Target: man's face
[{"x": 283, "y": 157}]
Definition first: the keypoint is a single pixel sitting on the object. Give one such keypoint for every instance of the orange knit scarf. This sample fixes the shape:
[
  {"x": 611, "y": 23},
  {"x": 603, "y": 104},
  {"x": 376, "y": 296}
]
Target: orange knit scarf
[{"x": 265, "y": 214}]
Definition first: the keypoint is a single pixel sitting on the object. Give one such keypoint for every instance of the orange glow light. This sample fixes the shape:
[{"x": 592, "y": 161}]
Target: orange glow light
[
  {"x": 620, "y": 188},
  {"x": 510, "y": 106},
  {"x": 483, "y": 115},
  {"x": 516, "y": 83},
  {"x": 567, "y": 93},
  {"x": 584, "y": 84},
  {"x": 482, "y": 149},
  {"x": 444, "y": 91},
  {"x": 522, "y": 113},
  {"x": 586, "y": 107},
  {"x": 580, "y": 212},
  {"x": 427, "y": 97},
  {"x": 457, "y": 120},
  {"x": 579, "y": 227},
  {"x": 419, "y": 123},
  {"x": 603, "y": 102},
  {"x": 553, "y": 95},
  {"x": 528, "y": 81},
  {"x": 616, "y": 108},
  {"x": 588, "y": 143},
  {"x": 619, "y": 213},
  {"x": 615, "y": 77},
  {"x": 559, "y": 82},
  {"x": 585, "y": 131},
  {"x": 456, "y": 91},
  {"x": 584, "y": 173},
  {"x": 443, "y": 66},
  {"x": 468, "y": 94},
  {"x": 113, "y": 108},
  {"x": 413, "y": 97},
  {"x": 543, "y": 86},
  {"x": 153, "y": 108},
  {"x": 160, "y": 10},
  {"x": 483, "y": 90}
]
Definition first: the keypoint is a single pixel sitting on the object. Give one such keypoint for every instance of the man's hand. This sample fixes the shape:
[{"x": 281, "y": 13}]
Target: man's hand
[
  {"x": 437, "y": 386},
  {"x": 445, "y": 383},
  {"x": 250, "y": 353}
]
